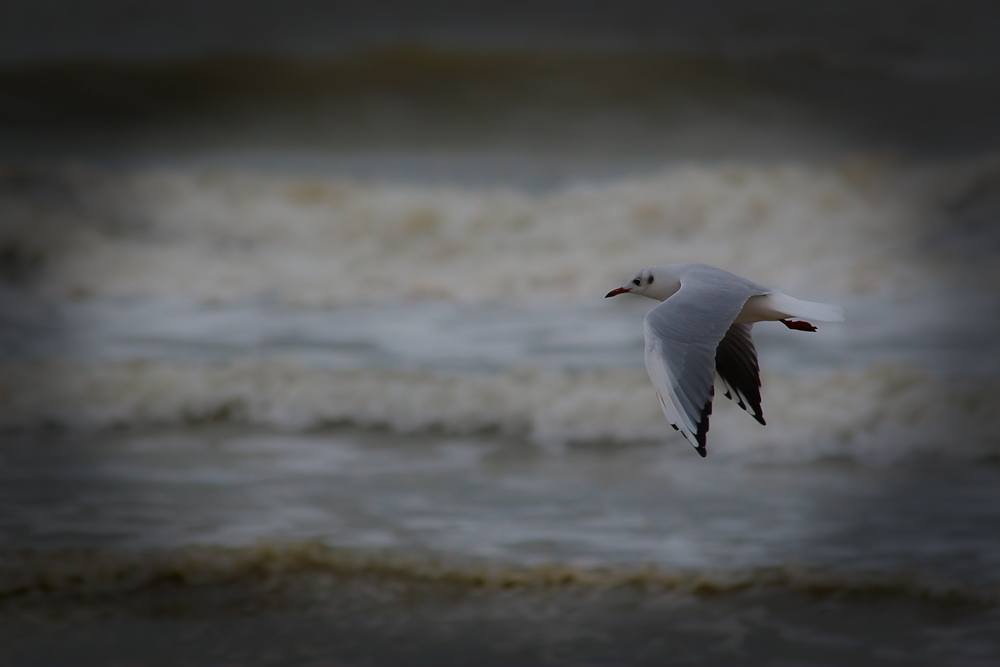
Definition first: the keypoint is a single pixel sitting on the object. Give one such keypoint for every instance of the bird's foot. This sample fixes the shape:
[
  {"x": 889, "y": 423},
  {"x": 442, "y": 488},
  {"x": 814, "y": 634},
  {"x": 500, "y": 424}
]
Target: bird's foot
[{"x": 797, "y": 325}]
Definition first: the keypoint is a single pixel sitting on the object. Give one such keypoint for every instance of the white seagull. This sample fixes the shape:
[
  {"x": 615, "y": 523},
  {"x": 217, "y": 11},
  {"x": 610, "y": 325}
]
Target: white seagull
[{"x": 703, "y": 328}]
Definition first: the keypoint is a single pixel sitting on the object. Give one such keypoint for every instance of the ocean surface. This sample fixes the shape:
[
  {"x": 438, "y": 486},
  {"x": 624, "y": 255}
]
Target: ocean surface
[{"x": 305, "y": 360}]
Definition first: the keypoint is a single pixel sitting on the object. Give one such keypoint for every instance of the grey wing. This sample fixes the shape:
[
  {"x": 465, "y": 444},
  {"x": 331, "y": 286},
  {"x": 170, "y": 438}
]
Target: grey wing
[
  {"x": 736, "y": 364},
  {"x": 682, "y": 336}
]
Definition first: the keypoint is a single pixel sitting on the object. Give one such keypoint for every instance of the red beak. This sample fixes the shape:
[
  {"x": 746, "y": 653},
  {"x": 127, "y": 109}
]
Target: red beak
[{"x": 616, "y": 292}]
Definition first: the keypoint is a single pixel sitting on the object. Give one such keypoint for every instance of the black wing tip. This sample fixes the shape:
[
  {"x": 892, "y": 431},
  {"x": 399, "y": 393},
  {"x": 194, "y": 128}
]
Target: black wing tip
[
  {"x": 701, "y": 451},
  {"x": 760, "y": 419}
]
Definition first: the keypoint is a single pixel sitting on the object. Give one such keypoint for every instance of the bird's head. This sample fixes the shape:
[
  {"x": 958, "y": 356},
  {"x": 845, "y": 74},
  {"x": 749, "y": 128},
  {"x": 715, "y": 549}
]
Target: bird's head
[{"x": 655, "y": 282}]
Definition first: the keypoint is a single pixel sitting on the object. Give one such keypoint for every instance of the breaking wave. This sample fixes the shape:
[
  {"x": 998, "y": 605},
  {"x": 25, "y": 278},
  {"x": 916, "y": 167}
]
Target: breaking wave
[
  {"x": 819, "y": 231},
  {"x": 876, "y": 415},
  {"x": 816, "y": 230}
]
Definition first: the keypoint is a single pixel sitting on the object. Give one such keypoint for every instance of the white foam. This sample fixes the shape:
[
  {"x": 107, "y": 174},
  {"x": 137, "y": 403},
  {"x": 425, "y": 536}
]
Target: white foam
[
  {"x": 816, "y": 231},
  {"x": 876, "y": 415}
]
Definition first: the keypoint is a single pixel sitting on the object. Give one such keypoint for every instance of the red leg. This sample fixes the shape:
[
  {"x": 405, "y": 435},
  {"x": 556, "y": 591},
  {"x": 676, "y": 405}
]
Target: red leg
[{"x": 797, "y": 325}]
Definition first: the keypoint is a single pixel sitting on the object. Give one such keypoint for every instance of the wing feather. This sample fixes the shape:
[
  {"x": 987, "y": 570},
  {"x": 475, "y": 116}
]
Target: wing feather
[
  {"x": 682, "y": 336},
  {"x": 736, "y": 364}
]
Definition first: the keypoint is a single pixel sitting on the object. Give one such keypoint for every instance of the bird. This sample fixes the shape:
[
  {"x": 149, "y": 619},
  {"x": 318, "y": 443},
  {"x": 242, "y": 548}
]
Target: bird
[{"x": 702, "y": 329}]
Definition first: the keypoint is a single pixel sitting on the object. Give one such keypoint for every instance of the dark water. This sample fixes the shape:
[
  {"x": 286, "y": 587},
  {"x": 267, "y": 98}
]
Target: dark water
[
  {"x": 660, "y": 80},
  {"x": 413, "y": 99},
  {"x": 418, "y": 624},
  {"x": 219, "y": 545}
]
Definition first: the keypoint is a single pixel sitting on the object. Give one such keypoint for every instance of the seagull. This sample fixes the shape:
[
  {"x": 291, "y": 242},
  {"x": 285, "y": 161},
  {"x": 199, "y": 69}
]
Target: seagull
[{"x": 701, "y": 329}]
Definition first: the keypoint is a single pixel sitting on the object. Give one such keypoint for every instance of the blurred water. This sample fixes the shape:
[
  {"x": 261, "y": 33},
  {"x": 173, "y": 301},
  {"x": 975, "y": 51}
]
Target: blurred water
[
  {"x": 496, "y": 499},
  {"x": 304, "y": 356}
]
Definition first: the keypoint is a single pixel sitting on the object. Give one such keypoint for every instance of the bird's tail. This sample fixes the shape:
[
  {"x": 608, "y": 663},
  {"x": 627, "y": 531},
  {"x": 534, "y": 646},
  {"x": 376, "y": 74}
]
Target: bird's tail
[{"x": 807, "y": 310}]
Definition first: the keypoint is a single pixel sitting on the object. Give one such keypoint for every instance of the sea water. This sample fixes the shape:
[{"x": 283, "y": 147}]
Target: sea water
[
  {"x": 399, "y": 423},
  {"x": 331, "y": 380}
]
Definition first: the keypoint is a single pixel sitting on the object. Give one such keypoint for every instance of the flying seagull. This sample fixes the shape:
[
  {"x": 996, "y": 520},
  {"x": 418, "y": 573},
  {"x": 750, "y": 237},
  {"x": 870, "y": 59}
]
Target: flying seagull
[{"x": 703, "y": 328}]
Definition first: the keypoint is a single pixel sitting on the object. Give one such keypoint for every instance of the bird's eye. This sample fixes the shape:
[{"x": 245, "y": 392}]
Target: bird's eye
[
  {"x": 649, "y": 280},
  {"x": 636, "y": 282}
]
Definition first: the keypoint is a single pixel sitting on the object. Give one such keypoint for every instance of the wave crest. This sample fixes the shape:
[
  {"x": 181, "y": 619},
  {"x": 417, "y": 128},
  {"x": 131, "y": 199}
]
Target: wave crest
[
  {"x": 876, "y": 415},
  {"x": 85, "y": 573},
  {"x": 225, "y": 235}
]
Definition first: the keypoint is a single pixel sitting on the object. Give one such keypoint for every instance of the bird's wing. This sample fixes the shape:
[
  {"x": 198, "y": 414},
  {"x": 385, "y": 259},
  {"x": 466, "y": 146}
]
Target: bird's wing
[
  {"x": 736, "y": 364},
  {"x": 682, "y": 335}
]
